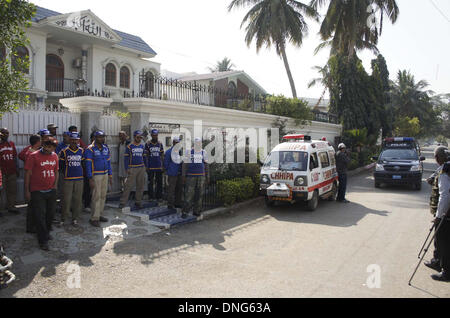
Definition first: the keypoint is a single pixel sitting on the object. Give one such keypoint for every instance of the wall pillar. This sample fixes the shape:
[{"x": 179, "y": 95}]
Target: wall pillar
[{"x": 90, "y": 109}]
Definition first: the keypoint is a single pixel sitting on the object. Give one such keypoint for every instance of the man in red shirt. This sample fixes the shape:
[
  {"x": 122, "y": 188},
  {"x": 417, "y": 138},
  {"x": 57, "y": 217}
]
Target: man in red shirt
[
  {"x": 8, "y": 165},
  {"x": 41, "y": 182},
  {"x": 35, "y": 145}
]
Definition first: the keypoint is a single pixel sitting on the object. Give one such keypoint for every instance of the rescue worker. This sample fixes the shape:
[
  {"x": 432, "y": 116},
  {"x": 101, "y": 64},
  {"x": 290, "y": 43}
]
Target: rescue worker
[
  {"x": 442, "y": 219},
  {"x": 99, "y": 172},
  {"x": 41, "y": 182},
  {"x": 65, "y": 143},
  {"x": 155, "y": 156},
  {"x": 195, "y": 175},
  {"x": 73, "y": 129},
  {"x": 342, "y": 161},
  {"x": 45, "y": 135},
  {"x": 35, "y": 145},
  {"x": 172, "y": 166},
  {"x": 135, "y": 168},
  {"x": 71, "y": 162},
  {"x": 10, "y": 173},
  {"x": 52, "y": 128},
  {"x": 123, "y": 144}
]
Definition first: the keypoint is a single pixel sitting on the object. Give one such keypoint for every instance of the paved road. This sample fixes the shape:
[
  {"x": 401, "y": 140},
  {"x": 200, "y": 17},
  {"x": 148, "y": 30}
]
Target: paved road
[{"x": 259, "y": 252}]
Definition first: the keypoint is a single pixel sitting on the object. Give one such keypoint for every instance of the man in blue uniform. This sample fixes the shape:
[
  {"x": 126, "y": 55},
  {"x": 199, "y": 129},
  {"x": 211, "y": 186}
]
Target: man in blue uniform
[
  {"x": 195, "y": 175},
  {"x": 155, "y": 152},
  {"x": 98, "y": 171},
  {"x": 134, "y": 160},
  {"x": 71, "y": 166},
  {"x": 172, "y": 166}
]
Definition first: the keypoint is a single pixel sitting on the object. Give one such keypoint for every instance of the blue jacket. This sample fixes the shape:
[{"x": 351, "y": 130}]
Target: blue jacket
[
  {"x": 98, "y": 162},
  {"x": 172, "y": 169},
  {"x": 135, "y": 156}
]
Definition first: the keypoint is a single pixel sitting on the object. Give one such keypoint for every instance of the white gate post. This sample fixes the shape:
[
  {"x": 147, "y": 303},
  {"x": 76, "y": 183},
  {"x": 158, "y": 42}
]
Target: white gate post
[
  {"x": 90, "y": 109},
  {"x": 140, "y": 115}
]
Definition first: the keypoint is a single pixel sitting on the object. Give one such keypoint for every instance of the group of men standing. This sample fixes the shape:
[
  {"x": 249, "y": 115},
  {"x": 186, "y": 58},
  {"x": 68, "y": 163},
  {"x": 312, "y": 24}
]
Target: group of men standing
[
  {"x": 139, "y": 162},
  {"x": 72, "y": 171}
]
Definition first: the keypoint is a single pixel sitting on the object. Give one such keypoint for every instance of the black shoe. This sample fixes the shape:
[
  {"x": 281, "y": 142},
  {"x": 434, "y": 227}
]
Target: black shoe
[
  {"x": 14, "y": 211},
  {"x": 345, "y": 201},
  {"x": 103, "y": 219},
  {"x": 138, "y": 206},
  {"x": 44, "y": 247},
  {"x": 50, "y": 238},
  {"x": 184, "y": 215},
  {"x": 441, "y": 277},
  {"x": 121, "y": 206},
  {"x": 94, "y": 223},
  {"x": 434, "y": 264},
  {"x": 197, "y": 214}
]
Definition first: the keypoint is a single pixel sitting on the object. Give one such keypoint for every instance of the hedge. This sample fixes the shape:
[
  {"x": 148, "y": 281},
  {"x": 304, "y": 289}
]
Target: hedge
[{"x": 237, "y": 190}]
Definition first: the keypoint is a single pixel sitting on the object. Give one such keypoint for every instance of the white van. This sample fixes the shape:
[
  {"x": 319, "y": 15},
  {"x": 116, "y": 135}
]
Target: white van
[{"x": 300, "y": 169}]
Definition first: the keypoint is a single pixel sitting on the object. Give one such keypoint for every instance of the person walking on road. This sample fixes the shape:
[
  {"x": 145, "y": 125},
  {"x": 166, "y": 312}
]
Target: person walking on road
[
  {"x": 99, "y": 173},
  {"x": 155, "y": 152},
  {"x": 442, "y": 218},
  {"x": 10, "y": 173},
  {"x": 41, "y": 182},
  {"x": 135, "y": 169},
  {"x": 195, "y": 175},
  {"x": 71, "y": 162},
  {"x": 172, "y": 166},
  {"x": 342, "y": 161}
]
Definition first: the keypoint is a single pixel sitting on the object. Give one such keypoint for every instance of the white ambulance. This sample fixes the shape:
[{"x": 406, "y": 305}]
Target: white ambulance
[{"x": 300, "y": 169}]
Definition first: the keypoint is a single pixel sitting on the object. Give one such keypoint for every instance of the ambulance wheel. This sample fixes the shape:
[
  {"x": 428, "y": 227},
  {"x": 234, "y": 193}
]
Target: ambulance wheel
[
  {"x": 334, "y": 191},
  {"x": 314, "y": 202},
  {"x": 269, "y": 203},
  {"x": 377, "y": 185}
]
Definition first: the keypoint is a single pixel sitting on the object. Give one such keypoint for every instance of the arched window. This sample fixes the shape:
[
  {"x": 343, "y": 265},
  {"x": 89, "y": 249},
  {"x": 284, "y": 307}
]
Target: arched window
[
  {"x": 110, "y": 75},
  {"x": 124, "y": 77},
  {"x": 149, "y": 83},
  {"x": 20, "y": 53},
  {"x": 54, "y": 73},
  {"x": 232, "y": 89}
]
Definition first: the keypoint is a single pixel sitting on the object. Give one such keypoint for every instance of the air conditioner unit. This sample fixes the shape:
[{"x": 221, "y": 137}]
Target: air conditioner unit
[{"x": 77, "y": 63}]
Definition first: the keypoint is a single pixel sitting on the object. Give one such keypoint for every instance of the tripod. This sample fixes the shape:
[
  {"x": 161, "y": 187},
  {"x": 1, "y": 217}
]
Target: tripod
[{"x": 428, "y": 246}]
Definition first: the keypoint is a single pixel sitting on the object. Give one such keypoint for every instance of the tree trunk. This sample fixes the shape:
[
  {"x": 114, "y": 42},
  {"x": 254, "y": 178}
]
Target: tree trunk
[{"x": 288, "y": 71}]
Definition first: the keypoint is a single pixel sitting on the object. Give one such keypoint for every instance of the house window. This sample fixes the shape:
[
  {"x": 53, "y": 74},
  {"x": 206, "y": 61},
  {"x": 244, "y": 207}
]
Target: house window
[
  {"x": 124, "y": 77},
  {"x": 22, "y": 54},
  {"x": 110, "y": 75}
]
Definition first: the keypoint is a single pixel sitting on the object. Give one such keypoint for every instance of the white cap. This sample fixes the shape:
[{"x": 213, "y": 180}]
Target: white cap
[
  {"x": 198, "y": 139},
  {"x": 341, "y": 146},
  {"x": 176, "y": 139}
]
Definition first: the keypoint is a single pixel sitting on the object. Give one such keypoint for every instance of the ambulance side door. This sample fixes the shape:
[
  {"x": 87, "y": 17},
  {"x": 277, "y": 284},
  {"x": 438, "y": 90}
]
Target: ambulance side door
[
  {"x": 314, "y": 170},
  {"x": 326, "y": 171}
]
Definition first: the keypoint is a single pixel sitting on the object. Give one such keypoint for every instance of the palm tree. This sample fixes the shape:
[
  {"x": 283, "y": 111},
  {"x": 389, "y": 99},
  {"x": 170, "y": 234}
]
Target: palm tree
[
  {"x": 222, "y": 66},
  {"x": 347, "y": 26},
  {"x": 324, "y": 80},
  {"x": 276, "y": 22}
]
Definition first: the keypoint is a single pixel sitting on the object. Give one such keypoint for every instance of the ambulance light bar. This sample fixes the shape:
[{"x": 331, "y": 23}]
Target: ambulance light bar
[
  {"x": 400, "y": 139},
  {"x": 297, "y": 137}
]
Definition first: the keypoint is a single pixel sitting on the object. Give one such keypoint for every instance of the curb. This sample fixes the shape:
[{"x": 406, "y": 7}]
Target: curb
[
  {"x": 360, "y": 170},
  {"x": 222, "y": 210}
]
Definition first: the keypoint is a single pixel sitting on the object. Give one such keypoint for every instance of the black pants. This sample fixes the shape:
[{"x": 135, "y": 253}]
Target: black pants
[
  {"x": 87, "y": 195},
  {"x": 443, "y": 245},
  {"x": 436, "y": 255},
  {"x": 44, "y": 206},
  {"x": 155, "y": 176},
  {"x": 342, "y": 186}
]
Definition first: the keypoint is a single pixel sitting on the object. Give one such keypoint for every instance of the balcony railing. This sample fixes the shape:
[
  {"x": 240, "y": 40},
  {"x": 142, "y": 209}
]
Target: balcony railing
[{"x": 60, "y": 85}]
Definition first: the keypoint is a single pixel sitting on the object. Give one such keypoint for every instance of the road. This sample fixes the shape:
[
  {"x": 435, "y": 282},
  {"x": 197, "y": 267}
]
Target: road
[{"x": 259, "y": 252}]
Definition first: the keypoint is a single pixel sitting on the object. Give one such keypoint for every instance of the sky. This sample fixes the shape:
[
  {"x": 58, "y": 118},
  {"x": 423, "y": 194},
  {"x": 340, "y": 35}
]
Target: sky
[{"x": 190, "y": 36}]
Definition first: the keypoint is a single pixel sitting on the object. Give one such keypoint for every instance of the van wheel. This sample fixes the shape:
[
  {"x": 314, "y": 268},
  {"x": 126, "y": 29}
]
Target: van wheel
[
  {"x": 377, "y": 185},
  {"x": 334, "y": 191},
  {"x": 269, "y": 203},
  {"x": 314, "y": 202},
  {"x": 418, "y": 186}
]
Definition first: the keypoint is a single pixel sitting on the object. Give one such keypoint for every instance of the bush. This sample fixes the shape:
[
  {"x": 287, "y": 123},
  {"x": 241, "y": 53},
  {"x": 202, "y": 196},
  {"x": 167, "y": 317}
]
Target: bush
[{"x": 236, "y": 190}]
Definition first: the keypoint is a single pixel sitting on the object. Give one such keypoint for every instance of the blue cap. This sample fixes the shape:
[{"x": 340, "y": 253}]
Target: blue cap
[
  {"x": 155, "y": 132},
  {"x": 67, "y": 133},
  {"x": 138, "y": 133},
  {"x": 44, "y": 132},
  {"x": 74, "y": 135},
  {"x": 99, "y": 133}
]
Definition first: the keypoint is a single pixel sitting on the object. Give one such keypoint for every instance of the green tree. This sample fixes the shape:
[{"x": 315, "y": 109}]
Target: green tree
[
  {"x": 411, "y": 99},
  {"x": 294, "y": 108},
  {"x": 381, "y": 82},
  {"x": 324, "y": 80},
  {"x": 223, "y": 66},
  {"x": 349, "y": 25},
  {"x": 276, "y": 22},
  {"x": 406, "y": 126},
  {"x": 441, "y": 104},
  {"x": 15, "y": 18}
]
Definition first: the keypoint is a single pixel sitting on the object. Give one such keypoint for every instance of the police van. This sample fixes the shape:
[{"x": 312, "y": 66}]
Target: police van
[
  {"x": 300, "y": 169},
  {"x": 399, "y": 163}
]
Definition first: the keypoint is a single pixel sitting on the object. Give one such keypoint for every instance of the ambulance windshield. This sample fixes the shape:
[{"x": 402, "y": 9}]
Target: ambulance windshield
[{"x": 287, "y": 161}]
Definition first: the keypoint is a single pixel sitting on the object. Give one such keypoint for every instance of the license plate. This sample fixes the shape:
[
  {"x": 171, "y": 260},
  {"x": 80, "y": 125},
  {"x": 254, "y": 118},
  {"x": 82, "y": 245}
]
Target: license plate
[
  {"x": 396, "y": 177},
  {"x": 278, "y": 193}
]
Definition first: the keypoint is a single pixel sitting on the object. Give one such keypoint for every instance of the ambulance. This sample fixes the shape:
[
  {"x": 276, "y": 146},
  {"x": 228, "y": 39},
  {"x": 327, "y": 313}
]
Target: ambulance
[{"x": 300, "y": 169}]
